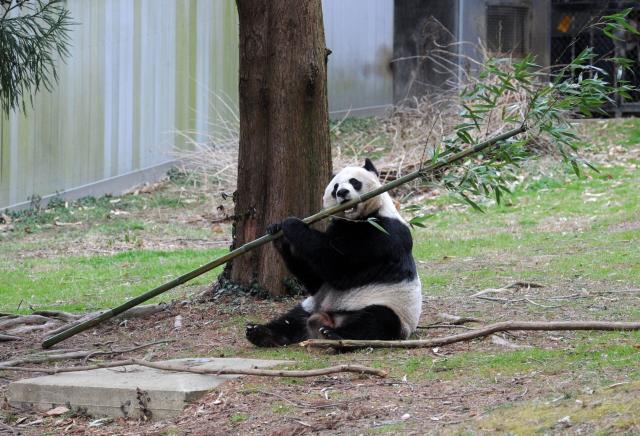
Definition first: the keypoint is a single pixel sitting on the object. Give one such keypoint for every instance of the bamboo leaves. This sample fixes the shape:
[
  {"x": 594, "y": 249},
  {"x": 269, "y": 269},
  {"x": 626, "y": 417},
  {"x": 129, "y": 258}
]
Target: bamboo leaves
[{"x": 508, "y": 92}]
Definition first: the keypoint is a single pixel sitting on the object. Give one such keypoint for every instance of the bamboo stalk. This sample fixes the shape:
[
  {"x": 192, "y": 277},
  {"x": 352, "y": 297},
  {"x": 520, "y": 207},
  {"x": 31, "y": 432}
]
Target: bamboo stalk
[
  {"x": 478, "y": 333},
  {"x": 444, "y": 161}
]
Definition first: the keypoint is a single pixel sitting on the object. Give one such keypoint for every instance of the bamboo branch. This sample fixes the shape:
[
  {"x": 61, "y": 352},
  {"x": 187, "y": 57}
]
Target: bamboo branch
[
  {"x": 358, "y": 369},
  {"x": 433, "y": 166},
  {"x": 473, "y": 334}
]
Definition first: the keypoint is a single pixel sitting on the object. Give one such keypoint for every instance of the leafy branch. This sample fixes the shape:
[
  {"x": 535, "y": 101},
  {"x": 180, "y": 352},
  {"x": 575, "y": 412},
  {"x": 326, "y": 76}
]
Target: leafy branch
[{"x": 508, "y": 92}]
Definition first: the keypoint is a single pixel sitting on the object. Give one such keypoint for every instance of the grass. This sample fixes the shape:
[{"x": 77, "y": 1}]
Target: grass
[
  {"x": 614, "y": 410},
  {"x": 593, "y": 352},
  {"x": 558, "y": 221},
  {"x": 80, "y": 283}
]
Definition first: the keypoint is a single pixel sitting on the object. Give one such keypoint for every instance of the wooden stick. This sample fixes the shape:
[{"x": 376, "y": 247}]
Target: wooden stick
[
  {"x": 359, "y": 369},
  {"x": 431, "y": 167},
  {"x": 473, "y": 334}
]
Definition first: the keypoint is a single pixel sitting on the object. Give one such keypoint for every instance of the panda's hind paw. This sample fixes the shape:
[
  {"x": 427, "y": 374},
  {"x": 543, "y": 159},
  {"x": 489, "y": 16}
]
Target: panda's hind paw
[
  {"x": 261, "y": 336},
  {"x": 328, "y": 333}
]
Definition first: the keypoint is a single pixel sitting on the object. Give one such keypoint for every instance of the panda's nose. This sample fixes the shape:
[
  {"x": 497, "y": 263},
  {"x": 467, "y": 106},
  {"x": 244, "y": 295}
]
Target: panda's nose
[{"x": 342, "y": 193}]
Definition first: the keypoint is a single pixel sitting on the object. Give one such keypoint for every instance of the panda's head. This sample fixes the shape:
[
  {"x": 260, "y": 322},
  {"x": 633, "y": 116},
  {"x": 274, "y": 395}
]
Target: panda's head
[{"x": 350, "y": 183}]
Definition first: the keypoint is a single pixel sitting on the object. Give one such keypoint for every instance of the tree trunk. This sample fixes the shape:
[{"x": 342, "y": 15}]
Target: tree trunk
[{"x": 285, "y": 156}]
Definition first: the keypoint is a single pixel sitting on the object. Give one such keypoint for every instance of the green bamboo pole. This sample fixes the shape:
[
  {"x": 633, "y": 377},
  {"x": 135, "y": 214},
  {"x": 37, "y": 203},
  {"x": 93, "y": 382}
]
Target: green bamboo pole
[{"x": 440, "y": 163}]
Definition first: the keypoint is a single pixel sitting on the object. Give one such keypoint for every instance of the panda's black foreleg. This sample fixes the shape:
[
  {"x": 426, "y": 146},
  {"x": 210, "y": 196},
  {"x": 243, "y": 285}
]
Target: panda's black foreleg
[
  {"x": 296, "y": 266},
  {"x": 289, "y": 328},
  {"x": 371, "y": 323}
]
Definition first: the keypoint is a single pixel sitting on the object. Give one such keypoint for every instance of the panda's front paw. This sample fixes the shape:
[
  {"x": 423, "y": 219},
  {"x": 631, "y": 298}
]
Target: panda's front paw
[
  {"x": 328, "y": 333},
  {"x": 274, "y": 228},
  {"x": 292, "y": 224}
]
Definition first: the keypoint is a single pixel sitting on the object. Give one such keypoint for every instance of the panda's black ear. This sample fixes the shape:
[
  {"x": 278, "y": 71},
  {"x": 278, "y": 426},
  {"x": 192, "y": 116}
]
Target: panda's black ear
[{"x": 368, "y": 165}]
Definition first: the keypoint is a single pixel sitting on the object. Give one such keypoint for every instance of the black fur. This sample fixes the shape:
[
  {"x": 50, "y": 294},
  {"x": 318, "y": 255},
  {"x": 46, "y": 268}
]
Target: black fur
[
  {"x": 357, "y": 184},
  {"x": 290, "y": 328},
  {"x": 372, "y": 322},
  {"x": 368, "y": 165},
  {"x": 348, "y": 255}
]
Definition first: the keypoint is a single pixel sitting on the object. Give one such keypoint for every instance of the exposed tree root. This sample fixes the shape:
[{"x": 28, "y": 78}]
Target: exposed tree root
[
  {"x": 479, "y": 333},
  {"x": 7, "y": 338},
  {"x": 46, "y": 357},
  {"x": 52, "y": 322},
  {"x": 358, "y": 369},
  {"x": 7, "y": 428}
]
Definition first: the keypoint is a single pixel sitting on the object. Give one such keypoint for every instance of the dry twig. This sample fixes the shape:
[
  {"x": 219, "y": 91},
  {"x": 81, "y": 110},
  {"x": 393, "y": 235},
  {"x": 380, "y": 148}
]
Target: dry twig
[
  {"x": 516, "y": 285},
  {"x": 455, "y": 319},
  {"x": 479, "y": 333}
]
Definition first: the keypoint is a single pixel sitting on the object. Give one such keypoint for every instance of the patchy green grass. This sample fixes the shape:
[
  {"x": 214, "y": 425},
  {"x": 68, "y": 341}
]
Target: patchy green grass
[
  {"x": 592, "y": 352},
  {"x": 80, "y": 283},
  {"x": 609, "y": 410},
  {"x": 589, "y": 227}
]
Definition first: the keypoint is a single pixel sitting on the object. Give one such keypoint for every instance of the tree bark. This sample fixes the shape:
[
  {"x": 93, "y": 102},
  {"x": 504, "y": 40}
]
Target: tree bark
[{"x": 285, "y": 156}]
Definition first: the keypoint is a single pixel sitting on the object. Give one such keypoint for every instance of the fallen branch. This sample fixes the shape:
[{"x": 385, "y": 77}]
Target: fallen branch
[
  {"x": 455, "y": 319},
  {"x": 126, "y": 350},
  {"x": 444, "y": 326},
  {"x": 81, "y": 354},
  {"x": 358, "y": 369},
  {"x": 516, "y": 285},
  {"x": 473, "y": 334}
]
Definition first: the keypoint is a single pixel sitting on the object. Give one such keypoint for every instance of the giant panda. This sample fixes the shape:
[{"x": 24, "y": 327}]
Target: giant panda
[{"x": 362, "y": 281}]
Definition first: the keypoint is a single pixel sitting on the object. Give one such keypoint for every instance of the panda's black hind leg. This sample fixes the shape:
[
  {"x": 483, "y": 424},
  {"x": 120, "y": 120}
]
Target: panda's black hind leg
[
  {"x": 289, "y": 328},
  {"x": 370, "y": 323}
]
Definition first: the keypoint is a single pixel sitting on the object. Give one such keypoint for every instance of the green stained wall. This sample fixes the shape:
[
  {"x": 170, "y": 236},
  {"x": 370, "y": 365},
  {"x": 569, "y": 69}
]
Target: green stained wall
[{"x": 139, "y": 71}]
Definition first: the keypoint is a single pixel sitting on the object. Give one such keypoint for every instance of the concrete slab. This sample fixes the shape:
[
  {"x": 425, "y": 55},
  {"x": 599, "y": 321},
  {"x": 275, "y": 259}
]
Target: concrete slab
[{"x": 114, "y": 391}]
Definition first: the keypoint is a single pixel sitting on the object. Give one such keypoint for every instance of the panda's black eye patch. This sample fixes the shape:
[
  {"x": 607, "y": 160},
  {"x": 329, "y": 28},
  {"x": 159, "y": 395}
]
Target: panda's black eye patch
[
  {"x": 335, "y": 188},
  {"x": 357, "y": 184}
]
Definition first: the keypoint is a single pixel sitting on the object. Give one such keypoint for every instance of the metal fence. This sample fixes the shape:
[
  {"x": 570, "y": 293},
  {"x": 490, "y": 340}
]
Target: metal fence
[{"x": 574, "y": 28}]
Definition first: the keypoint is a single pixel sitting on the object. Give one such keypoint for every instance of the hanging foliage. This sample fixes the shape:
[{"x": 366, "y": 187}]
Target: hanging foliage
[{"x": 33, "y": 35}]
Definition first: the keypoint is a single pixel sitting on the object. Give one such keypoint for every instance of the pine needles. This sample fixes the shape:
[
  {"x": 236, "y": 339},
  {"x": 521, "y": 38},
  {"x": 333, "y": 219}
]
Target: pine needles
[{"x": 33, "y": 35}]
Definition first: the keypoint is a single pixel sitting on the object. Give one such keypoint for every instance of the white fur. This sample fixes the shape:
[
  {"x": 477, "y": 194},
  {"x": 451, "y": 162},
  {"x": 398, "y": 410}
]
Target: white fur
[{"x": 404, "y": 298}]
